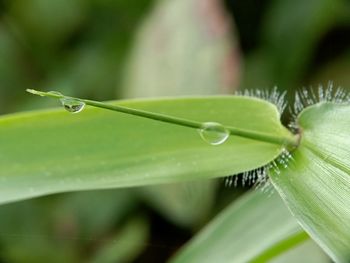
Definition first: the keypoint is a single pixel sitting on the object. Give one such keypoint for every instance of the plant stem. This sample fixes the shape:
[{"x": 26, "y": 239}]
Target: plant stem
[{"x": 290, "y": 142}]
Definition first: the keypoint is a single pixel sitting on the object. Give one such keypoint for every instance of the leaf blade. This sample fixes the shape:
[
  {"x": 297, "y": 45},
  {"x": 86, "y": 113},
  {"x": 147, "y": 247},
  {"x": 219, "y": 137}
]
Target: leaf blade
[
  {"x": 316, "y": 185},
  {"x": 52, "y": 151},
  {"x": 253, "y": 229}
]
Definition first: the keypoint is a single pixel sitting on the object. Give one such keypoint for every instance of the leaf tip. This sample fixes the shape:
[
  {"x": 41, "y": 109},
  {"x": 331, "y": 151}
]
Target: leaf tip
[{"x": 35, "y": 92}]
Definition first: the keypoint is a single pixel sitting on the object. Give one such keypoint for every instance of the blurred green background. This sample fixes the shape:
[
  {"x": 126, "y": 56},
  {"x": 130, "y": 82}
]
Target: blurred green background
[{"x": 115, "y": 49}]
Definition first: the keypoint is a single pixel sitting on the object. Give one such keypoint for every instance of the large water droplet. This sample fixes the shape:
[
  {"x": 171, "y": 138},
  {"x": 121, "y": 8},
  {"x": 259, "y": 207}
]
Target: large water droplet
[
  {"x": 72, "y": 105},
  {"x": 214, "y": 133}
]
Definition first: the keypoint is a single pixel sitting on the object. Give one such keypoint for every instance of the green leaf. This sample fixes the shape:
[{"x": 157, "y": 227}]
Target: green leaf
[
  {"x": 307, "y": 251},
  {"x": 256, "y": 228},
  {"x": 53, "y": 151},
  {"x": 126, "y": 245},
  {"x": 316, "y": 184},
  {"x": 184, "y": 47}
]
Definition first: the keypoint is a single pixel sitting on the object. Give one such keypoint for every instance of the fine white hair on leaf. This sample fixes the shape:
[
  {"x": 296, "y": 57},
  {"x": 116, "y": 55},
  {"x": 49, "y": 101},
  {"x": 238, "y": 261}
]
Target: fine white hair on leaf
[
  {"x": 309, "y": 96},
  {"x": 258, "y": 178},
  {"x": 272, "y": 95},
  {"x": 305, "y": 97}
]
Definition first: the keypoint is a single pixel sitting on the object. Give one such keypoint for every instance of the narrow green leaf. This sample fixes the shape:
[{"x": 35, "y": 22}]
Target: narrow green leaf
[
  {"x": 316, "y": 184},
  {"x": 54, "y": 151},
  {"x": 257, "y": 228}
]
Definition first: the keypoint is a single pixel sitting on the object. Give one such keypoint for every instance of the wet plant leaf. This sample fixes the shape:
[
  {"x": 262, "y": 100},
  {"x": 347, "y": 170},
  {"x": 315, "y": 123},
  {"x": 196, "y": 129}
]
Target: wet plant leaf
[{"x": 54, "y": 151}]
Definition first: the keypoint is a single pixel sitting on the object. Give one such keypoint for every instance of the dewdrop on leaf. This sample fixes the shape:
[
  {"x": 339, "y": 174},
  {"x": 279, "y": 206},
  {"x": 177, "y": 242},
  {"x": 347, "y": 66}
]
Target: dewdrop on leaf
[{"x": 213, "y": 133}]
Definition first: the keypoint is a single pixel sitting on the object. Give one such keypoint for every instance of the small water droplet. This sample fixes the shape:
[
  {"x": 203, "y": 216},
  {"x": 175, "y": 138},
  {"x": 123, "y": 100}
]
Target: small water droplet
[
  {"x": 214, "y": 133},
  {"x": 72, "y": 105}
]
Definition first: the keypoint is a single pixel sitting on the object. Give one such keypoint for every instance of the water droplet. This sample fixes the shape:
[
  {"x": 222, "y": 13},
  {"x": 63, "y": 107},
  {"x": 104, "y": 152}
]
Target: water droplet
[
  {"x": 214, "y": 133},
  {"x": 72, "y": 105}
]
